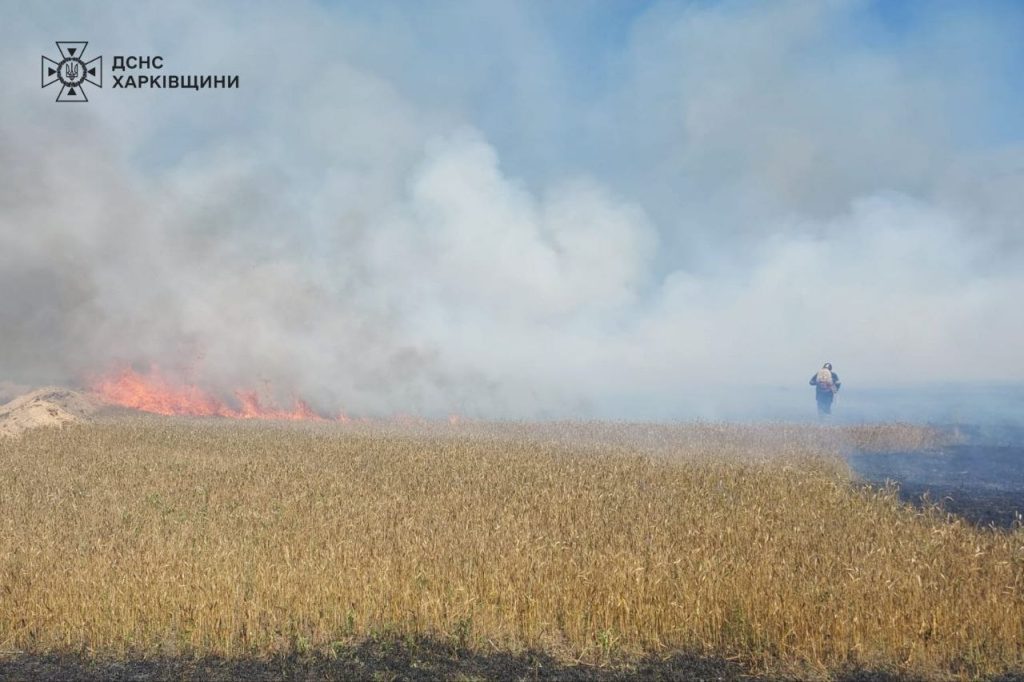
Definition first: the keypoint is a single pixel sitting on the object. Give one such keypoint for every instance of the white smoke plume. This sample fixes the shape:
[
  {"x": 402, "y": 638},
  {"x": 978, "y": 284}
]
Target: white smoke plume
[{"x": 442, "y": 208}]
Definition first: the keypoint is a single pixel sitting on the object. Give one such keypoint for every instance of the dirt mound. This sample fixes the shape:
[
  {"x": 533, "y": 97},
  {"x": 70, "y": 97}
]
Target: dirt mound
[{"x": 44, "y": 407}]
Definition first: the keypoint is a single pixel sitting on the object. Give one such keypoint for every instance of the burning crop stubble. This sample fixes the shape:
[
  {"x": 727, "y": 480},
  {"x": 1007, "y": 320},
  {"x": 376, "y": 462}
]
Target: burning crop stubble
[{"x": 599, "y": 541}]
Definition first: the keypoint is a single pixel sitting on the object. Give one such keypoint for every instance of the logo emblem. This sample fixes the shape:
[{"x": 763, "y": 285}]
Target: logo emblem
[{"x": 72, "y": 72}]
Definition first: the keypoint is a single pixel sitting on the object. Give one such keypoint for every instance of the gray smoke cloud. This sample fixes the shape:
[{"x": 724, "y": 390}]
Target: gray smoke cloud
[{"x": 443, "y": 209}]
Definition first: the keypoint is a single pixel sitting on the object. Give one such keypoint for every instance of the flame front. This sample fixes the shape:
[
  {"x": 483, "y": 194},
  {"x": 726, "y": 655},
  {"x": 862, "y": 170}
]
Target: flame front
[
  {"x": 153, "y": 392},
  {"x": 156, "y": 392}
]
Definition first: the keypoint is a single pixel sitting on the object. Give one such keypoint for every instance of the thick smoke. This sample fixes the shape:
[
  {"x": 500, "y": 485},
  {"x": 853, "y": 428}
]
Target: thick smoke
[{"x": 444, "y": 208}]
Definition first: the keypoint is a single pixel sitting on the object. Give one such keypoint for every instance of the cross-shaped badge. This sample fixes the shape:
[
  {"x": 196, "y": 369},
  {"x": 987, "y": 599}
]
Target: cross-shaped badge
[{"x": 72, "y": 72}]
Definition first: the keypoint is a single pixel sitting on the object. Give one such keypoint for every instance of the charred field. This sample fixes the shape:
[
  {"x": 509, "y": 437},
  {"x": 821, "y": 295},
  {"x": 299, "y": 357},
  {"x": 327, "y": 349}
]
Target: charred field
[
  {"x": 980, "y": 482},
  {"x": 146, "y": 547}
]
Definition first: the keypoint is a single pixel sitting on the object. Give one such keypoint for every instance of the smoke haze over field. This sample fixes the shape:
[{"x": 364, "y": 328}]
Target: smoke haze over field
[{"x": 520, "y": 209}]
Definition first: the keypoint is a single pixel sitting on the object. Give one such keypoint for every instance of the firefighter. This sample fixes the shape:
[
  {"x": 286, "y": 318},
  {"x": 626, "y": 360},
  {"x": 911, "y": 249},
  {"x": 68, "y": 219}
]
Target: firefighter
[{"x": 826, "y": 384}]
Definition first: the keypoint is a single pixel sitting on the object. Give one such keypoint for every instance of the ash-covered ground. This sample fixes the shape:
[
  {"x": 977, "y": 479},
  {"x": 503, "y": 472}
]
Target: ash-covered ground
[{"x": 981, "y": 478}]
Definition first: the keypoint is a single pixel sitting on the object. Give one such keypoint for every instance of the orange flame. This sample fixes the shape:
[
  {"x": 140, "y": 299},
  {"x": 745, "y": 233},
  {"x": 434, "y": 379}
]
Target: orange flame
[{"x": 155, "y": 393}]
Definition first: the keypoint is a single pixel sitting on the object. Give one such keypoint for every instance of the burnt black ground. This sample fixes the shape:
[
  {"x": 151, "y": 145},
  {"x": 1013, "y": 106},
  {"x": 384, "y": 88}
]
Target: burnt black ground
[
  {"x": 397, "y": 659},
  {"x": 983, "y": 483},
  {"x": 379, "y": 659}
]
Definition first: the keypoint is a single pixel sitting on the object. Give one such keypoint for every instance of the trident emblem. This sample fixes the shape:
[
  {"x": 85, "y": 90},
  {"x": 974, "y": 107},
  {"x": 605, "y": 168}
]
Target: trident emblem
[{"x": 72, "y": 72}]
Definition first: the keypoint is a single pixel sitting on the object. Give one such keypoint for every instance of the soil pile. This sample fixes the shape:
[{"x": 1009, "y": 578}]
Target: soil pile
[{"x": 44, "y": 407}]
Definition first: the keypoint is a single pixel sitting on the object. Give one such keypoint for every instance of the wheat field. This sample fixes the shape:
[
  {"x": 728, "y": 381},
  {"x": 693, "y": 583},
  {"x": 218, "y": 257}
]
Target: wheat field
[{"x": 596, "y": 542}]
